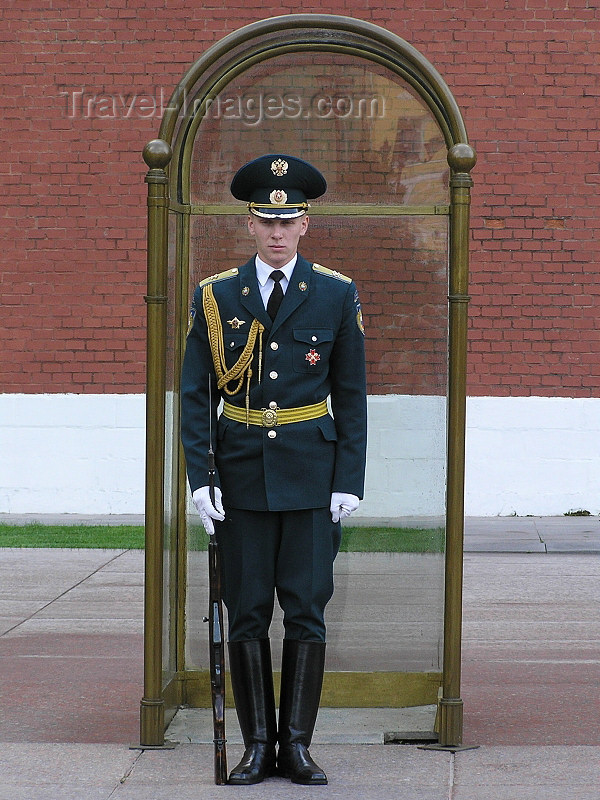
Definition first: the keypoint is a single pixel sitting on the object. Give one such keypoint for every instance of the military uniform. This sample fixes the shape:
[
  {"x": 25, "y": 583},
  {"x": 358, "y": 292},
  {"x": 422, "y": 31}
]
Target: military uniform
[
  {"x": 314, "y": 349},
  {"x": 291, "y": 431}
]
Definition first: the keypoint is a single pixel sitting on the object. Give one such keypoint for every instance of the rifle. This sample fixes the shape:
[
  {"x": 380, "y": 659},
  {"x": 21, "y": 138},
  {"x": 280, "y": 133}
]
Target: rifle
[{"x": 215, "y": 621}]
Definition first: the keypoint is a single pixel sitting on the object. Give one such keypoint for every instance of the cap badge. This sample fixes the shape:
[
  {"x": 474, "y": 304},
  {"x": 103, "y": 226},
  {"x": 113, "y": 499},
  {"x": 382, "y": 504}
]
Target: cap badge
[
  {"x": 312, "y": 357},
  {"x": 279, "y": 167},
  {"x": 236, "y": 323},
  {"x": 278, "y": 197}
]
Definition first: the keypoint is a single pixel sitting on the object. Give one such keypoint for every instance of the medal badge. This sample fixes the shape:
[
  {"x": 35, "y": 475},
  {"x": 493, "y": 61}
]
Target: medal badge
[{"x": 312, "y": 357}]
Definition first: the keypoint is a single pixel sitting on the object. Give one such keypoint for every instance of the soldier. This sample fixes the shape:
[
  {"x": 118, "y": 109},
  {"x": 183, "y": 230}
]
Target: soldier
[{"x": 279, "y": 336}]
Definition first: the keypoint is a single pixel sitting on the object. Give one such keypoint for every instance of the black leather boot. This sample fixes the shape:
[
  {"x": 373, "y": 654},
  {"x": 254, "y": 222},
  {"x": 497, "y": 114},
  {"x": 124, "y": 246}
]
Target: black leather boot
[
  {"x": 301, "y": 682},
  {"x": 252, "y": 682}
]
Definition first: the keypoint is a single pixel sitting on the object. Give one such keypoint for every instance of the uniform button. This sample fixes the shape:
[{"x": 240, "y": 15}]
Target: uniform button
[
  {"x": 314, "y": 338},
  {"x": 273, "y": 404},
  {"x": 274, "y": 346},
  {"x": 273, "y": 375},
  {"x": 272, "y": 434}
]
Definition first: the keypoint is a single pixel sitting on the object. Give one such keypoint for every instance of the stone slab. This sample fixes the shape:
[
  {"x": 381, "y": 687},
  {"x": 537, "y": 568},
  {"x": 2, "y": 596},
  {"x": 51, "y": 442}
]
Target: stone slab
[
  {"x": 334, "y": 725},
  {"x": 532, "y": 534},
  {"x": 531, "y": 650},
  {"x": 70, "y": 688},
  {"x": 355, "y": 773}
]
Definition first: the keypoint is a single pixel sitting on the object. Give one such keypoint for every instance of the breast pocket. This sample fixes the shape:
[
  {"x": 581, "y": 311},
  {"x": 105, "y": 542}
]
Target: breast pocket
[
  {"x": 312, "y": 348},
  {"x": 234, "y": 344}
]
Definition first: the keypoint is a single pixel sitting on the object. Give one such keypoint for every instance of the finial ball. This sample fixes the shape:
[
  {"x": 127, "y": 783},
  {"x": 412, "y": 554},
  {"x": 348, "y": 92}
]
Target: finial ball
[
  {"x": 462, "y": 157},
  {"x": 157, "y": 154}
]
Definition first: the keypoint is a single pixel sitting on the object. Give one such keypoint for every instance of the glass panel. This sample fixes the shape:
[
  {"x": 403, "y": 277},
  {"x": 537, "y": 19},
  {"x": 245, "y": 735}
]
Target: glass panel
[
  {"x": 377, "y": 143},
  {"x": 169, "y": 648},
  {"x": 368, "y": 131},
  {"x": 399, "y": 265},
  {"x": 196, "y": 640}
]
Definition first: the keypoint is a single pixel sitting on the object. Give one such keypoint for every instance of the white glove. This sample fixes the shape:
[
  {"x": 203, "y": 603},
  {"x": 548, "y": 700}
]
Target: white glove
[
  {"x": 342, "y": 505},
  {"x": 207, "y": 511}
]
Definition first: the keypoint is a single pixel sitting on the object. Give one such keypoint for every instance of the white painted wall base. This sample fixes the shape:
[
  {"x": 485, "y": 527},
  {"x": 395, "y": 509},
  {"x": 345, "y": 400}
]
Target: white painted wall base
[
  {"x": 72, "y": 453},
  {"x": 406, "y": 457},
  {"x": 84, "y": 454},
  {"x": 532, "y": 455}
]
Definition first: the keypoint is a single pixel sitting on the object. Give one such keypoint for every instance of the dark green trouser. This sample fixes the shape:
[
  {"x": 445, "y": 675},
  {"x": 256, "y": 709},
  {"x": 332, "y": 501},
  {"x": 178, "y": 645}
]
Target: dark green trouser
[{"x": 290, "y": 553}]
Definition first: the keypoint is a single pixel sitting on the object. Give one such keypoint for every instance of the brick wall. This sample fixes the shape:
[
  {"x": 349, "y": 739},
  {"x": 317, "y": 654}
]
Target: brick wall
[{"x": 82, "y": 91}]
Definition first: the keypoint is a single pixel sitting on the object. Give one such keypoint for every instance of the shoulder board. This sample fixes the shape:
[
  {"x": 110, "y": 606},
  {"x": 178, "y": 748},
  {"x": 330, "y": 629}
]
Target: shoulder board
[
  {"x": 220, "y": 276},
  {"x": 332, "y": 273}
]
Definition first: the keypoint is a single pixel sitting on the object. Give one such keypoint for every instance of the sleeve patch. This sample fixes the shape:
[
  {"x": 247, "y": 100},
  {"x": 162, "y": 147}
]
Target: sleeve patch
[{"x": 191, "y": 318}]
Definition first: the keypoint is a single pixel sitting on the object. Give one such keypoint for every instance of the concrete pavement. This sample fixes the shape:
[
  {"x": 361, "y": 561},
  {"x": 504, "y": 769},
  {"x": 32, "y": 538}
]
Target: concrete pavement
[{"x": 71, "y": 677}]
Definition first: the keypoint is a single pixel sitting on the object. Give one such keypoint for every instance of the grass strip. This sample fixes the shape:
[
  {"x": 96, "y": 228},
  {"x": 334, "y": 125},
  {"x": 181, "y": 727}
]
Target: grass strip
[
  {"x": 101, "y": 537},
  {"x": 131, "y": 537},
  {"x": 392, "y": 540}
]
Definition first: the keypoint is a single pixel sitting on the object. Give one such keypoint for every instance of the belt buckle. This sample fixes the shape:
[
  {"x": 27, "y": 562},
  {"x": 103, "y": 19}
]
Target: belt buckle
[{"x": 269, "y": 417}]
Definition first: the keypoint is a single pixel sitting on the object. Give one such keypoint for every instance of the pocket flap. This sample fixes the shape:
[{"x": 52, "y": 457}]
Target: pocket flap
[
  {"x": 313, "y": 336},
  {"x": 327, "y": 427},
  {"x": 233, "y": 341}
]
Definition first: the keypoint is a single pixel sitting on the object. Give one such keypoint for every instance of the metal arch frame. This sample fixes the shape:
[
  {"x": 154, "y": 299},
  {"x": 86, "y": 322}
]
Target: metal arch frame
[
  {"x": 222, "y": 62},
  {"x": 313, "y": 32},
  {"x": 323, "y": 28}
]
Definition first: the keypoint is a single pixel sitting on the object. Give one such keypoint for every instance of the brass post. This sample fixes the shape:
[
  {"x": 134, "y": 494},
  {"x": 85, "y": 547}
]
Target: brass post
[
  {"x": 157, "y": 155},
  {"x": 461, "y": 158}
]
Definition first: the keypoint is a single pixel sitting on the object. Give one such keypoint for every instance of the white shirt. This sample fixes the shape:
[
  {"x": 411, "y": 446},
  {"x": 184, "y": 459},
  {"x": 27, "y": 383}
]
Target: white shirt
[{"x": 266, "y": 283}]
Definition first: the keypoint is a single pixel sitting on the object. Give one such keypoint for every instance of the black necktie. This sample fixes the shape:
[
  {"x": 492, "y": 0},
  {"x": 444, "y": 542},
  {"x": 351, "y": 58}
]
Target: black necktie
[{"x": 276, "y": 295}]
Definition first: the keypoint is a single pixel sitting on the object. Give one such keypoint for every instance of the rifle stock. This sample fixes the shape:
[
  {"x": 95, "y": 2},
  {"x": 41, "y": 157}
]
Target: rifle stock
[{"x": 217, "y": 663}]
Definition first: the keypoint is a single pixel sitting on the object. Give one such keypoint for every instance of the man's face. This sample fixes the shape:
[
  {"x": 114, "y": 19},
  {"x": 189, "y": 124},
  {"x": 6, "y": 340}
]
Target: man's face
[{"x": 277, "y": 239}]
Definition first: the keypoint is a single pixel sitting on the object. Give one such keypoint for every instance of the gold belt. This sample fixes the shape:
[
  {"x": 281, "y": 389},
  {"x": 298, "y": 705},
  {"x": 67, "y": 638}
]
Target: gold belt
[{"x": 270, "y": 417}]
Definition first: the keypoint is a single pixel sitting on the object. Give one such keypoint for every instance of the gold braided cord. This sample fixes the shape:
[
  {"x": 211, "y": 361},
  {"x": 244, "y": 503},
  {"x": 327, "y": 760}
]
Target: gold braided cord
[{"x": 242, "y": 368}]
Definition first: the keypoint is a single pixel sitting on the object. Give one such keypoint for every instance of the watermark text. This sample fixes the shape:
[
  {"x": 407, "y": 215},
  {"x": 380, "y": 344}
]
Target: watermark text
[{"x": 249, "y": 108}]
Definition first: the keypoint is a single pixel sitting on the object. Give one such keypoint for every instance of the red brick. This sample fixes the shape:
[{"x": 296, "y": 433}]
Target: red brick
[{"x": 527, "y": 87}]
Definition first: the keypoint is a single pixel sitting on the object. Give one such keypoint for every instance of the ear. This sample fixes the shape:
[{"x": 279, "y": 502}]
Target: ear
[
  {"x": 304, "y": 227},
  {"x": 250, "y": 225}
]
